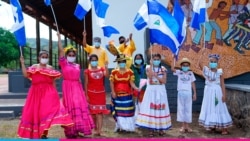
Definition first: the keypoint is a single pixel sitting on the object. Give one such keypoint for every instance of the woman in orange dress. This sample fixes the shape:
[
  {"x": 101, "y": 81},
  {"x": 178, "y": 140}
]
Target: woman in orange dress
[
  {"x": 121, "y": 82},
  {"x": 95, "y": 91}
]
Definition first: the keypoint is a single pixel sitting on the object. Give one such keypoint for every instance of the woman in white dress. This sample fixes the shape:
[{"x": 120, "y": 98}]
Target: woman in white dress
[
  {"x": 154, "y": 110},
  {"x": 214, "y": 113}
]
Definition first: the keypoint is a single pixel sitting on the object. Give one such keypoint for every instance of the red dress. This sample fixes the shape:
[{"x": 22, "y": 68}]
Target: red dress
[
  {"x": 42, "y": 108},
  {"x": 96, "y": 91}
]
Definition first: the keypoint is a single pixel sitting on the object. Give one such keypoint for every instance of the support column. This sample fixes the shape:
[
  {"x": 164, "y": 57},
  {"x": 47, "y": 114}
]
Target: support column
[
  {"x": 50, "y": 46},
  {"x": 38, "y": 46}
]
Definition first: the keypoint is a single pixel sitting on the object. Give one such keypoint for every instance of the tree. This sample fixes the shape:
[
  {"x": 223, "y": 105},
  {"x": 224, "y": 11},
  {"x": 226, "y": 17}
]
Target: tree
[{"x": 9, "y": 50}]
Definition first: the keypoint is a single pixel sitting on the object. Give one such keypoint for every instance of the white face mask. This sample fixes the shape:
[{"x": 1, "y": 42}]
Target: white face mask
[
  {"x": 71, "y": 59},
  {"x": 44, "y": 60}
]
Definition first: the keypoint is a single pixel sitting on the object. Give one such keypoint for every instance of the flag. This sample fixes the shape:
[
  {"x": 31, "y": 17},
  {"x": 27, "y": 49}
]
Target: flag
[
  {"x": 47, "y": 2},
  {"x": 109, "y": 30},
  {"x": 82, "y": 8},
  {"x": 199, "y": 16},
  {"x": 18, "y": 27},
  {"x": 163, "y": 27},
  {"x": 100, "y": 12},
  {"x": 141, "y": 18},
  {"x": 180, "y": 18}
]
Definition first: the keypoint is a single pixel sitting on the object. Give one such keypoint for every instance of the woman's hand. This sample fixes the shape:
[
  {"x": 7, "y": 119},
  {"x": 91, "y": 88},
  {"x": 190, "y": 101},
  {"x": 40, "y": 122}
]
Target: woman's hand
[
  {"x": 113, "y": 95},
  {"x": 224, "y": 98}
]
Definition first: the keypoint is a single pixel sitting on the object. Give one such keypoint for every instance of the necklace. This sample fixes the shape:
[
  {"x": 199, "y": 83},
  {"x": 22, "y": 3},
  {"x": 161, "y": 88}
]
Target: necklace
[{"x": 212, "y": 75}]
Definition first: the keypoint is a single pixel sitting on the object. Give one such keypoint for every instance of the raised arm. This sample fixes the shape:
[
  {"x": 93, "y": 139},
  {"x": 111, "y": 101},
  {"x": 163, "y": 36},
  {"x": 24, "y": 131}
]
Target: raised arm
[
  {"x": 60, "y": 48},
  {"x": 132, "y": 43},
  {"x": 24, "y": 70},
  {"x": 84, "y": 42}
]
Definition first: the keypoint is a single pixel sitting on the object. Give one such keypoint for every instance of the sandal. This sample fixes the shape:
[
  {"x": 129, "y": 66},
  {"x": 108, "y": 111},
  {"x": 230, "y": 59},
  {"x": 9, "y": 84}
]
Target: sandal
[
  {"x": 161, "y": 133},
  {"x": 224, "y": 132},
  {"x": 182, "y": 130},
  {"x": 151, "y": 134}
]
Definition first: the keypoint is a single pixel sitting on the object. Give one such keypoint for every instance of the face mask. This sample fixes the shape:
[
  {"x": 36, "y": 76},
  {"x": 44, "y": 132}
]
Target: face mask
[
  {"x": 213, "y": 65},
  {"x": 93, "y": 63},
  {"x": 185, "y": 68},
  {"x": 122, "y": 65},
  {"x": 44, "y": 60},
  {"x": 71, "y": 59},
  {"x": 97, "y": 44},
  {"x": 156, "y": 62},
  {"x": 138, "y": 61}
]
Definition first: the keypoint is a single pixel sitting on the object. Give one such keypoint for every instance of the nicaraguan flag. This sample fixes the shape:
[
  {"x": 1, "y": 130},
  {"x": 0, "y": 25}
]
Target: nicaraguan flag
[
  {"x": 47, "y": 2},
  {"x": 141, "y": 17},
  {"x": 100, "y": 12},
  {"x": 18, "y": 28},
  {"x": 180, "y": 18},
  {"x": 163, "y": 27},
  {"x": 82, "y": 8},
  {"x": 199, "y": 16}
]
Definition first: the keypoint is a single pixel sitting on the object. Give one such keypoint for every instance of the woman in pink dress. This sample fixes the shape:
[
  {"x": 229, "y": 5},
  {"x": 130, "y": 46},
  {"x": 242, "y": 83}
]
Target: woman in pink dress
[
  {"x": 74, "y": 98},
  {"x": 42, "y": 108},
  {"x": 94, "y": 84}
]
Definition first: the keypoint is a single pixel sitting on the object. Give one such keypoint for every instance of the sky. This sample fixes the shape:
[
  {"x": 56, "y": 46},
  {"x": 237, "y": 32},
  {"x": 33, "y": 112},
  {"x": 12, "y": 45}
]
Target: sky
[{"x": 7, "y": 21}]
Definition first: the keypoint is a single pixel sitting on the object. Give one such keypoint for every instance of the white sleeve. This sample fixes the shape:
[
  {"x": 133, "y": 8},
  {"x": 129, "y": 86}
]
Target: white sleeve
[
  {"x": 205, "y": 71},
  {"x": 220, "y": 71},
  {"x": 192, "y": 77}
]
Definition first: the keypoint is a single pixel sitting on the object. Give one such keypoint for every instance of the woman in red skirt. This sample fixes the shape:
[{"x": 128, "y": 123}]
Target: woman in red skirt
[{"x": 95, "y": 91}]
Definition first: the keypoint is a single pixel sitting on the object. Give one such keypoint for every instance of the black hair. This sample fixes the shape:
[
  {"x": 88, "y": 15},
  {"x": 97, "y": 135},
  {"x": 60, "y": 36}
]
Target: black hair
[
  {"x": 121, "y": 37},
  {"x": 93, "y": 55},
  {"x": 139, "y": 54},
  {"x": 221, "y": 2},
  {"x": 70, "y": 50},
  {"x": 43, "y": 52},
  {"x": 157, "y": 55},
  {"x": 122, "y": 61}
]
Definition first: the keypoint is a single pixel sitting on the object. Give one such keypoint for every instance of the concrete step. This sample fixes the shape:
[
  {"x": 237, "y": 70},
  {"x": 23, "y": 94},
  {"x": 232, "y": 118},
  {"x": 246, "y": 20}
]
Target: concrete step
[
  {"x": 15, "y": 105},
  {"x": 7, "y": 114},
  {"x": 17, "y": 95}
]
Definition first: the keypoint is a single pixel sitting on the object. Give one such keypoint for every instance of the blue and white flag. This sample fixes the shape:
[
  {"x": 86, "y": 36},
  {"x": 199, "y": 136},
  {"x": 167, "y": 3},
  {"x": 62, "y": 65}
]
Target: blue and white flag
[
  {"x": 47, "y": 2},
  {"x": 100, "y": 12},
  {"x": 82, "y": 8},
  {"x": 141, "y": 17},
  {"x": 199, "y": 16},
  {"x": 163, "y": 27},
  {"x": 18, "y": 28},
  {"x": 181, "y": 19}
]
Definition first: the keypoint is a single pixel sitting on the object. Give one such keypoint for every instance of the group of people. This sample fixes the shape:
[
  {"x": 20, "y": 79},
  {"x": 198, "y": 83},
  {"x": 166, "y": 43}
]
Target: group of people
[{"x": 132, "y": 82}]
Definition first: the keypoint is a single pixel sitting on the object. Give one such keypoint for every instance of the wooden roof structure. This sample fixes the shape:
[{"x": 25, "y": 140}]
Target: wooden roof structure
[{"x": 68, "y": 24}]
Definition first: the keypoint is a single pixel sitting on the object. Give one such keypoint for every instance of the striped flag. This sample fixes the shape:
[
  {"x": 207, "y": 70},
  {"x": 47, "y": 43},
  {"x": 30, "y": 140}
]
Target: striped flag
[{"x": 82, "y": 8}]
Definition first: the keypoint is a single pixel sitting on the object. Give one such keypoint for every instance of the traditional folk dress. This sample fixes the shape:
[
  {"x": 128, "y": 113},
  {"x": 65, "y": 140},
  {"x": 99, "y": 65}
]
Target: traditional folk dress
[
  {"x": 154, "y": 110},
  {"x": 213, "y": 112},
  {"x": 139, "y": 73},
  {"x": 42, "y": 108},
  {"x": 184, "y": 99},
  {"x": 123, "y": 106},
  {"x": 75, "y": 100},
  {"x": 96, "y": 91}
]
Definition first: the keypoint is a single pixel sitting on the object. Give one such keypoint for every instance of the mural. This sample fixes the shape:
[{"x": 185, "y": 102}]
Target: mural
[{"x": 226, "y": 32}]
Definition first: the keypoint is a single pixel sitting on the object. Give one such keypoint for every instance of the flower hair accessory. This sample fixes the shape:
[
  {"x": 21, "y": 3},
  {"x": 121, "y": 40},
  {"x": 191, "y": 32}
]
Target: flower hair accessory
[
  {"x": 216, "y": 56},
  {"x": 69, "y": 47}
]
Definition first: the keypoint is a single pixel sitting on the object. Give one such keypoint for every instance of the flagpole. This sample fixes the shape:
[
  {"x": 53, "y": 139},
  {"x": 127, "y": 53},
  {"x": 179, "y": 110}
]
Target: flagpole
[
  {"x": 54, "y": 17},
  {"x": 84, "y": 25},
  {"x": 21, "y": 52}
]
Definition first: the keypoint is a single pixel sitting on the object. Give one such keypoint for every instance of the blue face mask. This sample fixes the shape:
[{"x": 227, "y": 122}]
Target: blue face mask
[
  {"x": 138, "y": 61},
  {"x": 93, "y": 63},
  {"x": 156, "y": 62},
  {"x": 97, "y": 44},
  {"x": 213, "y": 65},
  {"x": 122, "y": 65},
  {"x": 185, "y": 68}
]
